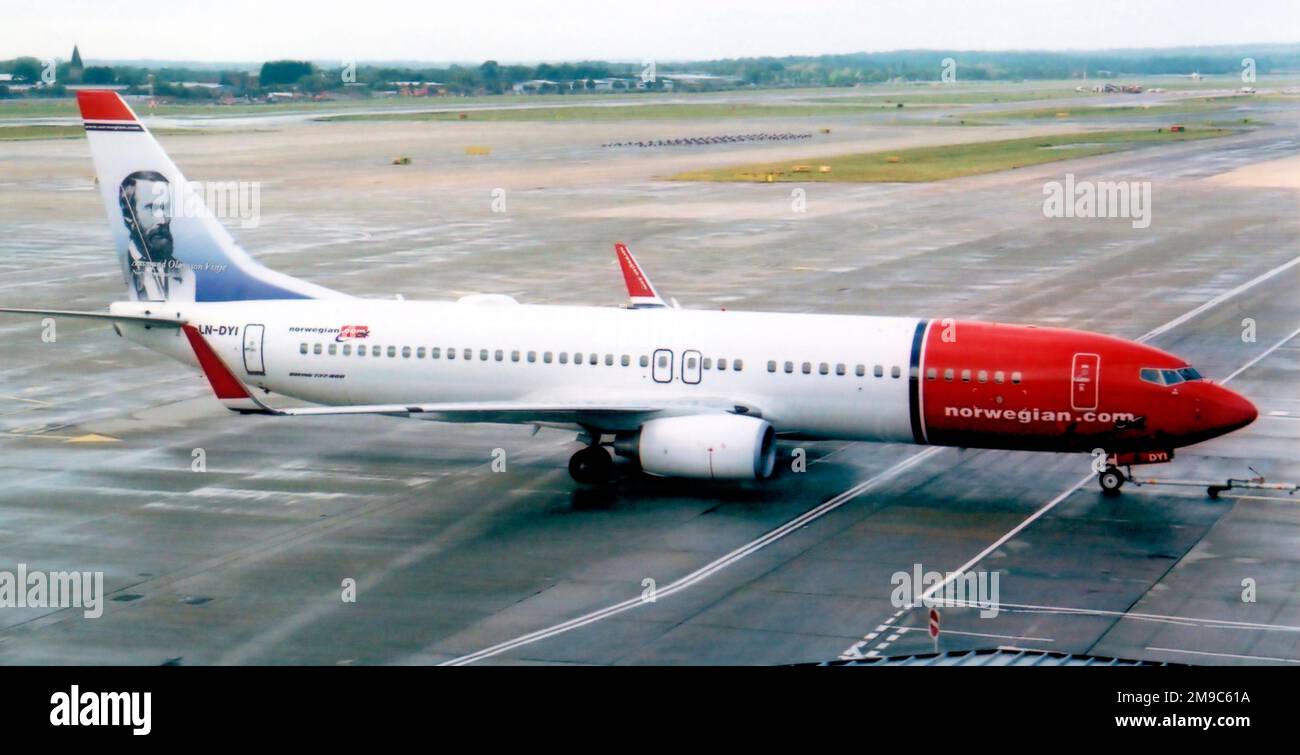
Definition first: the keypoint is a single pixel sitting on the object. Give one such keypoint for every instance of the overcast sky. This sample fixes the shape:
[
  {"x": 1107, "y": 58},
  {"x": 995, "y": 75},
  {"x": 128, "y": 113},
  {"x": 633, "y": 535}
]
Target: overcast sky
[{"x": 553, "y": 30}]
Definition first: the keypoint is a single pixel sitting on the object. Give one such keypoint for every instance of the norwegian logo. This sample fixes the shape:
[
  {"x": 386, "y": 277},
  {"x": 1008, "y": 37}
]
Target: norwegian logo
[{"x": 351, "y": 332}]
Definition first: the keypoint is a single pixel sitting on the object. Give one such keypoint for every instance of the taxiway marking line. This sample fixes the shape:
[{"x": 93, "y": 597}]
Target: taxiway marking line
[
  {"x": 1225, "y": 655},
  {"x": 1216, "y": 301},
  {"x": 709, "y": 569},
  {"x": 1260, "y": 358}
]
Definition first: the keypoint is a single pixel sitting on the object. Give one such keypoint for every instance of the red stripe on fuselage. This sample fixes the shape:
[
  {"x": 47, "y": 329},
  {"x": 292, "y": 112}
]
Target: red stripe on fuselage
[{"x": 223, "y": 381}]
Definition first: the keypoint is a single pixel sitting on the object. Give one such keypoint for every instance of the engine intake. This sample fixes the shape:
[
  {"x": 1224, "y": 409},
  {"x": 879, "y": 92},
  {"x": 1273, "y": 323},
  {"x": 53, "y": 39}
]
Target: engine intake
[{"x": 705, "y": 446}]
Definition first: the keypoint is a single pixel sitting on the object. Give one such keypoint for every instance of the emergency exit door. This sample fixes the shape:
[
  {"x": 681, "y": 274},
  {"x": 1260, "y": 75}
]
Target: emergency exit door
[{"x": 253, "y": 337}]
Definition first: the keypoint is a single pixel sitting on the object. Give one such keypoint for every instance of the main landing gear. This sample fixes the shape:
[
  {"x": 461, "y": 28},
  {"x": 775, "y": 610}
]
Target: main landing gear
[
  {"x": 1111, "y": 480},
  {"x": 591, "y": 465}
]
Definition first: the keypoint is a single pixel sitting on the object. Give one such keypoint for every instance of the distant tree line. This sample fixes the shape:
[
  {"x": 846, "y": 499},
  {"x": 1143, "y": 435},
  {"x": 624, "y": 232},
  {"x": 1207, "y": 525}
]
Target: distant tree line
[{"x": 492, "y": 77}]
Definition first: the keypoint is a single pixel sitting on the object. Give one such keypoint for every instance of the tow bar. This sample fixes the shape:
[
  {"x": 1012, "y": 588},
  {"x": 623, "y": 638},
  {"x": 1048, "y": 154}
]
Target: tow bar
[{"x": 1213, "y": 489}]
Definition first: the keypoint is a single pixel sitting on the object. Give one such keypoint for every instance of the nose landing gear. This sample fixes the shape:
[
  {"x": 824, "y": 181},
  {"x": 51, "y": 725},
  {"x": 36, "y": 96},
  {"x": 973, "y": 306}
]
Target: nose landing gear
[{"x": 1111, "y": 480}]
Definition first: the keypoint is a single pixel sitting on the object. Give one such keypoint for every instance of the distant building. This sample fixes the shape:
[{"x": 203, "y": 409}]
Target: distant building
[
  {"x": 535, "y": 86},
  {"x": 419, "y": 88}
]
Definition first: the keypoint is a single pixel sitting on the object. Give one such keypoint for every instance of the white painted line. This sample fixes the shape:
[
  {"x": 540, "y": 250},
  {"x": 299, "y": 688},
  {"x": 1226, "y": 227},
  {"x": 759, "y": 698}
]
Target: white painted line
[
  {"x": 1009, "y": 534},
  {"x": 1191, "y": 621},
  {"x": 1219, "y": 300},
  {"x": 1000, "y": 636},
  {"x": 713, "y": 567},
  {"x": 1259, "y": 358},
  {"x": 1224, "y": 655}
]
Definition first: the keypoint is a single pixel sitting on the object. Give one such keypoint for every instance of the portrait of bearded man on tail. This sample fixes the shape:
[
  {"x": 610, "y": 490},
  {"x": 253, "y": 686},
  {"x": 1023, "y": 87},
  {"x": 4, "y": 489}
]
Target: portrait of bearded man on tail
[{"x": 154, "y": 272}]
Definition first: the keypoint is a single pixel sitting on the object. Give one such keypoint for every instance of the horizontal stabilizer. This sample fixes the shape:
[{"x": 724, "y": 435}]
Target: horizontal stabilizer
[{"x": 147, "y": 319}]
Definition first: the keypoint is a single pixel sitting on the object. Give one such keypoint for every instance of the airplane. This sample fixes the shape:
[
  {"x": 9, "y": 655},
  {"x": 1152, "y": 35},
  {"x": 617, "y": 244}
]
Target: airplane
[{"x": 687, "y": 393}]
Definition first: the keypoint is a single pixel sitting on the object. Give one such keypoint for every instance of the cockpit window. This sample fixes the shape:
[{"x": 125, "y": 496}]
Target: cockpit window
[
  {"x": 1171, "y": 377},
  {"x": 1151, "y": 376},
  {"x": 1189, "y": 373}
]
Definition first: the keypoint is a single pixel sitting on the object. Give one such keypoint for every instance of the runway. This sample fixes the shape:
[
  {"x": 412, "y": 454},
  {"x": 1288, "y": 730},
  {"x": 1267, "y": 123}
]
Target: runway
[{"x": 454, "y": 563}]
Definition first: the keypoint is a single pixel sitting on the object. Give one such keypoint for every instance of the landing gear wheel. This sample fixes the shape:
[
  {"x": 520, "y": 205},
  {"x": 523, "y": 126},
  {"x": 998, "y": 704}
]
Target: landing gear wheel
[
  {"x": 591, "y": 466},
  {"x": 1111, "y": 480}
]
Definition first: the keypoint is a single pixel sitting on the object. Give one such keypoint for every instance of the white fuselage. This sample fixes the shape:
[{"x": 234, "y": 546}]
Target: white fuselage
[{"x": 855, "y": 385}]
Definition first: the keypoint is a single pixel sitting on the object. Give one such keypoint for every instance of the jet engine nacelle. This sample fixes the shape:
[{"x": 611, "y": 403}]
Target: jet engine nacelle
[{"x": 706, "y": 446}]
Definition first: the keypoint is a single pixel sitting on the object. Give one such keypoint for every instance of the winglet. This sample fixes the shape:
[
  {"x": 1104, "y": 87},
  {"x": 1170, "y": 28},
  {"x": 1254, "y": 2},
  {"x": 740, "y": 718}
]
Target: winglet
[
  {"x": 641, "y": 294},
  {"x": 230, "y": 391}
]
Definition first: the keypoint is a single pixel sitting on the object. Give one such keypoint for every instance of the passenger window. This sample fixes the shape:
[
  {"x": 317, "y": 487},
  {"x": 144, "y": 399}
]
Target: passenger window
[
  {"x": 860, "y": 370},
  {"x": 947, "y": 375},
  {"x": 419, "y": 353},
  {"x": 302, "y": 349},
  {"x": 823, "y": 368},
  {"x": 347, "y": 349},
  {"x": 895, "y": 372},
  {"x": 514, "y": 355},
  {"x": 468, "y": 354},
  {"x": 376, "y": 350},
  {"x": 546, "y": 357},
  {"x": 807, "y": 368},
  {"x": 451, "y": 353},
  {"x": 499, "y": 355},
  {"x": 931, "y": 374},
  {"x": 625, "y": 360},
  {"x": 435, "y": 352},
  {"x": 1015, "y": 378},
  {"x": 771, "y": 365},
  {"x": 315, "y": 349},
  {"x": 663, "y": 360},
  {"x": 334, "y": 349},
  {"x": 532, "y": 357},
  {"x": 722, "y": 363},
  {"x": 564, "y": 357},
  {"x": 789, "y": 367},
  {"x": 361, "y": 351},
  {"x": 708, "y": 363},
  {"x": 982, "y": 376},
  {"x": 878, "y": 371},
  {"x": 965, "y": 376},
  {"x": 594, "y": 359},
  {"x": 690, "y": 363},
  {"x": 999, "y": 377},
  {"x": 392, "y": 351},
  {"x": 839, "y": 369},
  {"x": 645, "y": 361},
  {"x": 737, "y": 365},
  {"x": 483, "y": 355},
  {"x": 609, "y": 360},
  {"x": 406, "y": 352}
]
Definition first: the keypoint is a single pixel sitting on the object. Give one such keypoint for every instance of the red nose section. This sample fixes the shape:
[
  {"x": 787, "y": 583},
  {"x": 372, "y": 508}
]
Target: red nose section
[{"x": 1230, "y": 411}]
